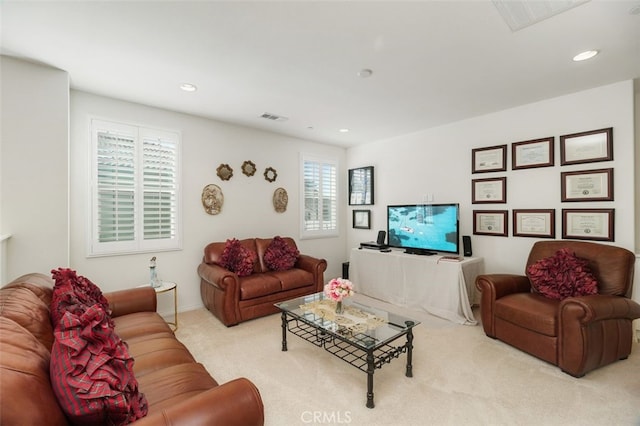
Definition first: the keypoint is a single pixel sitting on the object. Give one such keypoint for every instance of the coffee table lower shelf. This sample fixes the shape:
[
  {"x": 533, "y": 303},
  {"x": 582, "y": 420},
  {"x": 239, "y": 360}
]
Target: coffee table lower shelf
[{"x": 347, "y": 349}]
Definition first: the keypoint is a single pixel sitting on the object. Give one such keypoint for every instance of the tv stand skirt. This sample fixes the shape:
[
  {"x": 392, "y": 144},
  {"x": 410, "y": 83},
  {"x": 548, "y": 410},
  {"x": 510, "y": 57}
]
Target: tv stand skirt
[{"x": 441, "y": 287}]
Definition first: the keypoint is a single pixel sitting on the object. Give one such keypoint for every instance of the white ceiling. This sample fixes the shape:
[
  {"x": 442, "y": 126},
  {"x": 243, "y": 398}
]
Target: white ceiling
[{"x": 433, "y": 62}]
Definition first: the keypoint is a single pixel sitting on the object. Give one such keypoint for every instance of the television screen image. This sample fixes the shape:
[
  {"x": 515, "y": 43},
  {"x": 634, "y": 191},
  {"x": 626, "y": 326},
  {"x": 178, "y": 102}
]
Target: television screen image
[{"x": 424, "y": 229}]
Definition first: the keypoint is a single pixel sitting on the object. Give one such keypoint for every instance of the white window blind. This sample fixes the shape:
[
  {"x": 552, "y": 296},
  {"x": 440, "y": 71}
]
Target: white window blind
[
  {"x": 135, "y": 189},
  {"x": 320, "y": 197}
]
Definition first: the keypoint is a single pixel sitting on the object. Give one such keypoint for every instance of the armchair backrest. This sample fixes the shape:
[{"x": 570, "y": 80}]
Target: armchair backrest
[{"x": 612, "y": 266}]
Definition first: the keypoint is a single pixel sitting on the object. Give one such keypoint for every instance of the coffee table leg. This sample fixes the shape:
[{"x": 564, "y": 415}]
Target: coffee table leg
[
  {"x": 409, "y": 372},
  {"x": 370, "y": 370},
  {"x": 284, "y": 331}
]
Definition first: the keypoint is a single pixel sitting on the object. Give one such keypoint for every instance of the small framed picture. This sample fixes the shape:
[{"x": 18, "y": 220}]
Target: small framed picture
[
  {"x": 490, "y": 159},
  {"x": 490, "y": 222},
  {"x": 490, "y": 190},
  {"x": 587, "y": 185},
  {"x": 588, "y": 224},
  {"x": 362, "y": 219},
  {"x": 533, "y": 153},
  {"x": 539, "y": 223},
  {"x": 587, "y": 147},
  {"x": 361, "y": 186}
]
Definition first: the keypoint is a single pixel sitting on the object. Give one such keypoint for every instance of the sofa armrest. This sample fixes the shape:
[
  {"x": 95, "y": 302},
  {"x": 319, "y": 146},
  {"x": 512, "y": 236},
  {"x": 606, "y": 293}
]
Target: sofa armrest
[
  {"x": 600, "y": 307},
  {"x": 315, "y": 266},
  {"x": 500, "y": 285},
  {"x": 492, "y": 288},
  {"x": 594, "y": 331},
  {"x": 237, "y": 402},
  {"x": 139, "y": 299},
  {"x": 217, "y": 275}
]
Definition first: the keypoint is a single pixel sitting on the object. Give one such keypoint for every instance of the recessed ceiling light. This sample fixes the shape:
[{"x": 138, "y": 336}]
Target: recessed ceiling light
[
  {"x": 585, "y": 55},
  {"x": 343, "y": 130},
  {"x": 188, "y": 87}
]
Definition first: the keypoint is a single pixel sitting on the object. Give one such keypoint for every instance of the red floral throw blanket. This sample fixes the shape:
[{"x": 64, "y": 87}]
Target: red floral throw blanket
[{"x": 91, "y": 369}]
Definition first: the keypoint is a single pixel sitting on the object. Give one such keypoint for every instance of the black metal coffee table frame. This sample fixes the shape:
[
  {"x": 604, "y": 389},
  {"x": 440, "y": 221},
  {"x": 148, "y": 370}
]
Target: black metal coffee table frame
[{"x": 360, "y": 350}]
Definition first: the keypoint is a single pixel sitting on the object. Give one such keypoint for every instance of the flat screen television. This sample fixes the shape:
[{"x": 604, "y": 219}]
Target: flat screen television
[{"x": 424, "y": 228}]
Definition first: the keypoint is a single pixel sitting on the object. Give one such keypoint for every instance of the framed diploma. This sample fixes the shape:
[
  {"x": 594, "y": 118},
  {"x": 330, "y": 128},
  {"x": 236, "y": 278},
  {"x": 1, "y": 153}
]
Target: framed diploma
[
  {"x": 587, "y": 147},
  {"x": 490, "y": 159},
  {"x": 588, "y": 224},
  {"x": 491, "y": 190},
  {"x": 361, "y": 186},
  {"x": 539, "y": 223},
  {"x": 534, "y": 153},
  {"x": 490, "y": 222},
  {"x": 587, "y": 185},
  {"x": 362, "y": 219}
]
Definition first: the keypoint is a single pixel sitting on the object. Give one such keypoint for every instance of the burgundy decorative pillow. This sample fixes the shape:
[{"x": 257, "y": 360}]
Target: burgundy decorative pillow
[
  {"x": 92, "y": 372},
  {"x": 75, "y": 293},
  {"x": 562, "y": 275},
  {"x": 280, "y": 256},
  {"x": 237, "y": 258}
]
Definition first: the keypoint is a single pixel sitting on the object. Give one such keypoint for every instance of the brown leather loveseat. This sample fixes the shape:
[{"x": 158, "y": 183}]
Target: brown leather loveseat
[
  {"x": 578, "y": 333},
  {"x": 178, "y": 390},
  {"x": 233, "y": 299}
]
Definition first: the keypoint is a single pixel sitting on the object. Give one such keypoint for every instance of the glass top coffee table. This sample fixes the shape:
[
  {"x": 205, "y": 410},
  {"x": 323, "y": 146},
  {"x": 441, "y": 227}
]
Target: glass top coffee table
[{"x": 362, "y": 336}]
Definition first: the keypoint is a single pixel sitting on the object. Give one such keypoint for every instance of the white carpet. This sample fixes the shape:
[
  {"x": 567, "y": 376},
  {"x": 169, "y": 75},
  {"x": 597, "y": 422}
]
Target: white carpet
[{"x": 460, "y": 377}]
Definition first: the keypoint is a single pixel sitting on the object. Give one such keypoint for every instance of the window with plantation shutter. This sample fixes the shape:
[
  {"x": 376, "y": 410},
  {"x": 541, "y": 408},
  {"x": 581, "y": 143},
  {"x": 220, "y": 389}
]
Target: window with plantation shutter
[
  {"x": 319, "y": 197},
  {"x": 134, "y": 189}
]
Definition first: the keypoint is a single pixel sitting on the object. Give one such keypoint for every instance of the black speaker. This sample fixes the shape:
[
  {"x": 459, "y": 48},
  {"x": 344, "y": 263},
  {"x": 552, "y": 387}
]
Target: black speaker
[
  {"x": 381, "y": 237},
  {"x": 466, "y": 244}
]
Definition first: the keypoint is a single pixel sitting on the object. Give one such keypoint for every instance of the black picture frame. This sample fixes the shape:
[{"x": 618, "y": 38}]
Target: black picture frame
[
  {"x": 362, "y": 219},
  {"x": 361, "y": 189}
]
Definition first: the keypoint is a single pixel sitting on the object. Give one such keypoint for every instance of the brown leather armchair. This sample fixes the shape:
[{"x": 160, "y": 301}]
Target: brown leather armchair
[{"x": 578, "y": 334}]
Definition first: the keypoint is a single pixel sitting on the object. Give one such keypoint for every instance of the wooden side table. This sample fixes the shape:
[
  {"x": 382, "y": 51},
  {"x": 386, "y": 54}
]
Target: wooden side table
[{"x": 165, "y": 287}]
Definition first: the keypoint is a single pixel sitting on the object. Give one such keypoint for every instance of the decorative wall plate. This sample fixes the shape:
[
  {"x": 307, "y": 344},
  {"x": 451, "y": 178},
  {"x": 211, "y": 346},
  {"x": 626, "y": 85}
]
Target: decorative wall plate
[
  {"x": 212, "y": 199},
  {"x": 225, "y": 172},
  {"x": 280, "y": 200},
  {"x": 248, "y": 168},
  {"x": 270, "y": 174}
]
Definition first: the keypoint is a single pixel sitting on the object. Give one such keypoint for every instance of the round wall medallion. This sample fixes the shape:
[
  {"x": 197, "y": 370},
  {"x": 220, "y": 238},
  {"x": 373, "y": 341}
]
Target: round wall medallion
[
  {"x": 248, "y": 168},
  {"x": 280, "y": 200},
  {"x": 212, "y": 199},
  {"x": 225, "y": 172},
  {"x": 270, "y": 174}
]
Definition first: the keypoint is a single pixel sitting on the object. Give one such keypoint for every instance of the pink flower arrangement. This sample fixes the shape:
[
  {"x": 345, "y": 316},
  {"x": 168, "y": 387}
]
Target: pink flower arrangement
[{"x": 338, "y": 288}]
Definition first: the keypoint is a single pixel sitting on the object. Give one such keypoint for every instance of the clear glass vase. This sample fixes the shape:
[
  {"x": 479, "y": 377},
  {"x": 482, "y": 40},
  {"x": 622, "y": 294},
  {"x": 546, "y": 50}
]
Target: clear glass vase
[{"x": 339, "y": 307}]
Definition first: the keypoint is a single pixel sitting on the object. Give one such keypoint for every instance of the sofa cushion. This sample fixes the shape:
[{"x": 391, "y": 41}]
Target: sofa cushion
[
  {"x": 237, "y": 258},
  {"x": 562, "y": 275},
  {"x": 529, "y": 310},
  {"x": 280, "y": 256},
  {"x": 91, "y": 371},
  {"x": 294, "y": 278},
  {"x": 258, "y": 285}
]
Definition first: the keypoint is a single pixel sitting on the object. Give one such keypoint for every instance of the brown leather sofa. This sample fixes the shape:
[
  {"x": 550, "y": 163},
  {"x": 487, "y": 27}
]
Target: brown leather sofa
[
  {"x": 234, "y": 299},
  {"x": 179, "y": 390},
  {"x": 578, "y": 334}
]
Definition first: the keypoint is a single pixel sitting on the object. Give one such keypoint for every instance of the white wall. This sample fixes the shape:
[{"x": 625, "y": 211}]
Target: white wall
[
  {"x": 438, "y": 161},
  {"x": 34, "y": 167},
  {"x": 247, "y": 211}
]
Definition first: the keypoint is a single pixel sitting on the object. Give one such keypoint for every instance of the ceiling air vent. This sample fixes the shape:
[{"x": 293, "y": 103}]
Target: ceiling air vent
[
  {"x": 273, "y": 117},
  {"x": 519, "y": 14}
]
